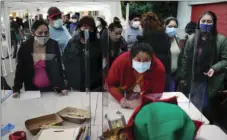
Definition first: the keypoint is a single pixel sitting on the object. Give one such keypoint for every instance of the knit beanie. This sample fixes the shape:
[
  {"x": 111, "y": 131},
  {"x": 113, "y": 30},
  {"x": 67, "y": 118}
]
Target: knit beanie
[
  {"x": 163, "y": 121},
  {"x": 160, "y": 120}
]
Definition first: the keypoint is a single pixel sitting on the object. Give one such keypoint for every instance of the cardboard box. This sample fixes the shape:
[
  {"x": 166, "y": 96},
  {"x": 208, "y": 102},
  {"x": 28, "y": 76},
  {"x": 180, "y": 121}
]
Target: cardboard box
[
  {"x": 74, "y": 115},
  {"x": 34, "y": 125}
]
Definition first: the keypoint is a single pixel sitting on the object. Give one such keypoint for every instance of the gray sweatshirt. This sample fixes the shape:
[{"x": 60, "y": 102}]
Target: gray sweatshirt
[{"x": 130, "y": 35}]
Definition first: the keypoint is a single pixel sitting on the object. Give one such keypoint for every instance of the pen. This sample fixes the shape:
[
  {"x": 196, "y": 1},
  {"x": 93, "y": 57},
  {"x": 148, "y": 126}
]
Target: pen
[
  {"x": 59, "y": 131},
  {"x": 125, "y": 94}
]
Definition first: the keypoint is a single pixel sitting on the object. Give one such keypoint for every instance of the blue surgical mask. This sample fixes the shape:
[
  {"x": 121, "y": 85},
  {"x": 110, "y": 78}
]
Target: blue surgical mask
[
  {"x": 58, "y": 23},
  {"x": 141, "y": 67},
  {"x": 206, "y": 27},
  {"x": 171, "y": 31}
]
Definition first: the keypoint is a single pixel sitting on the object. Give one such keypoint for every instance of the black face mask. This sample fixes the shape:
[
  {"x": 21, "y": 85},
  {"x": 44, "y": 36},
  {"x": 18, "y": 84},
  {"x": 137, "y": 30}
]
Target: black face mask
[{"x": 91, "y": 35}]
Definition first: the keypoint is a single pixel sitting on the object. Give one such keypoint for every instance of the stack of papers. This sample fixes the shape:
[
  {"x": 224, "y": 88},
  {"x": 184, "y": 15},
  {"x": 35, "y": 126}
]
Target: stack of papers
[
  {"x": 59, "y": 134},
  {"x": 30, "y": 95}
]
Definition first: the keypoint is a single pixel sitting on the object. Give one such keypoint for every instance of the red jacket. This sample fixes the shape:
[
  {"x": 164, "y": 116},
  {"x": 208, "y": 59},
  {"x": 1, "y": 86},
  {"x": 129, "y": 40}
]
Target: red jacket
[{"x": 122, "y": 76}]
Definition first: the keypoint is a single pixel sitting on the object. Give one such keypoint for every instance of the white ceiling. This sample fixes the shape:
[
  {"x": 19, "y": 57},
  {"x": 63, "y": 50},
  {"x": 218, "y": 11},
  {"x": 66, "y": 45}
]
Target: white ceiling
[
  {"x": 108, "y": 9},
  {"x": 64, "y": 6}
]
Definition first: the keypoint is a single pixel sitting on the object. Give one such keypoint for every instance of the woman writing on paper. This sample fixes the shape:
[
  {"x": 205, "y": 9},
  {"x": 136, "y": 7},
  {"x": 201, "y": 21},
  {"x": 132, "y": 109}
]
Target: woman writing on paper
[
  {"x": 39, "y": 64},
  {"x": 135, "y": 72}
]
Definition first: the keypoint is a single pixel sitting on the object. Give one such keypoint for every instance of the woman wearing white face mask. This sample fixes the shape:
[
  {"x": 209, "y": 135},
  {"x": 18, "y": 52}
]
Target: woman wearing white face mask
[
  {"x": 39, "y": 63},
  {"x": 135, "y": 72},
  {"x": 101, "y": 25},
  {"x": 171, "y": 25}
]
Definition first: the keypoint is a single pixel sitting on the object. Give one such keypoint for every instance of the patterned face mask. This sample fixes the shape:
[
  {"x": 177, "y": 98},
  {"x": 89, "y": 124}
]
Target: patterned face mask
[{"x": 206, "y": 27}]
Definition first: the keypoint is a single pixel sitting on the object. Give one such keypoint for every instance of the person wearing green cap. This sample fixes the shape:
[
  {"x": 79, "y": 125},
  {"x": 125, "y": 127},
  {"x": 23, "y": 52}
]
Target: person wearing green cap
[
  {"x": 160, "y": 119},
  {"x": 163, "y": 121}
]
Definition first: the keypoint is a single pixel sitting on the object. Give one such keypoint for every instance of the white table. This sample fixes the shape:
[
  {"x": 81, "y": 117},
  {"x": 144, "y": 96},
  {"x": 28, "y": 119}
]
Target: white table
[
  {"x": 17, "y": 111},
  {"x": 183, "y": 102},
  {"x": 206, "y": 132},
  {"x": 210, "y": 132}
]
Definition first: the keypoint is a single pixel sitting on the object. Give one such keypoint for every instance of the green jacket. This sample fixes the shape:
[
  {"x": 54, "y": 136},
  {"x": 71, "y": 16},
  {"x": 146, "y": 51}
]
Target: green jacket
[{"x": 216, "y": 82}]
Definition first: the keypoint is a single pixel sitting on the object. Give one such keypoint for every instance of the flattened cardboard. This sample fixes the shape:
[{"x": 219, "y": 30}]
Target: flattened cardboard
[
  {"x": 74, "y": 115},
  {"x": 34, "y": 125}
]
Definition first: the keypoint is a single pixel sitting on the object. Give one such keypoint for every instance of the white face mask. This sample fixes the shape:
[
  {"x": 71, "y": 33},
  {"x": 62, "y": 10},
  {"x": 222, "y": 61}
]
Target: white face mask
[
  {"x": 97, "y": 23},
  {"x": 42, "y": 40},
  {"x": 58, "y": 23},
  {"x": 74, "y": 20},
  {"x": 141, "y": 67},
  {"x": 136, "y": 24}
]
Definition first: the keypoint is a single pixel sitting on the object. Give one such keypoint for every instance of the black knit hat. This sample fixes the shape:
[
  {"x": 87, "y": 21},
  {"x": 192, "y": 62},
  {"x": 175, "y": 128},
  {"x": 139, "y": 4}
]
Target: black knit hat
[
  {"x": 190, "y": 27},
  {"x": 53, "y": 11}
]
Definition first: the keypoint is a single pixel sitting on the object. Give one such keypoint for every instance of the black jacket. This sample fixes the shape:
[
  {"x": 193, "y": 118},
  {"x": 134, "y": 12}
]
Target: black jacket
[
  {"x": 112, "y": 49},
  {"x": 74, "y": 62},
  {"x": 160, "y": 42},
  {"x": 25, "y": 66}
]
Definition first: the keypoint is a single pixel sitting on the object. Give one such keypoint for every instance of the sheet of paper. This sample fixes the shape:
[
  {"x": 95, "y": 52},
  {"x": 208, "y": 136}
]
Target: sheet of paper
[
  {"x": 30, "y": 95},
  {"x": 6, "y": 94},
  {"x": 52, "y": 134}
]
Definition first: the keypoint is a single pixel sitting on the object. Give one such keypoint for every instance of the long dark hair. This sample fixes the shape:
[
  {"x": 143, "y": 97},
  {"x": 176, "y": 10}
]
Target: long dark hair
[
  {"x": 141, "y": 46},
  {"x": 214, "y": 18},
  {"x": 211, "y": 37}
]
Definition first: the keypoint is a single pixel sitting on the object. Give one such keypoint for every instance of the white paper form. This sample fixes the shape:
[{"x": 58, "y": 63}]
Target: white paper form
[
  {"x": 30, "y": 95},
  {"x": 58, "y": 134}
]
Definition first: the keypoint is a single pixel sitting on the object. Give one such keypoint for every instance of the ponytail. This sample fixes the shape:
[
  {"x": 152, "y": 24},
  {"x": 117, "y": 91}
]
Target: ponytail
[{"x": 116, "y": 24}]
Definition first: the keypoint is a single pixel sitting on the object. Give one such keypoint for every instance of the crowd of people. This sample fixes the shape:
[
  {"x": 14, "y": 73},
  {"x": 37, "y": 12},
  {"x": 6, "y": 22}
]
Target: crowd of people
[{"x": 144, "y": 57}]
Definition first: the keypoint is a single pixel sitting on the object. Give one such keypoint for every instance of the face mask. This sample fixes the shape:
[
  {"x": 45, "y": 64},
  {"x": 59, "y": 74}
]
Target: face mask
[
  {"x": 136, "y": 24},
  {"x": 74, "y": 20},
  {"x": 97, "y": 23},
  {"x": 141, "y": 67},
  {"x": 42, "y": 40},
  {"x": 206, "y": 27},
  {"x": 58, "y": 23},
  {"x": 171, "y": 31},
  {"x": 90, "y": 35}
]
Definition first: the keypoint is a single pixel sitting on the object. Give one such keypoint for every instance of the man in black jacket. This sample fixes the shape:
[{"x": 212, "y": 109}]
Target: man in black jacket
[{"x": 74, "y": 58}]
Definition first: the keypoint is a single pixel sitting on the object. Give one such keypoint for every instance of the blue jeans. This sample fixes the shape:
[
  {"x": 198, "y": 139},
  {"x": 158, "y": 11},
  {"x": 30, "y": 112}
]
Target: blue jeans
[{"x": 199, "y": 94}]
